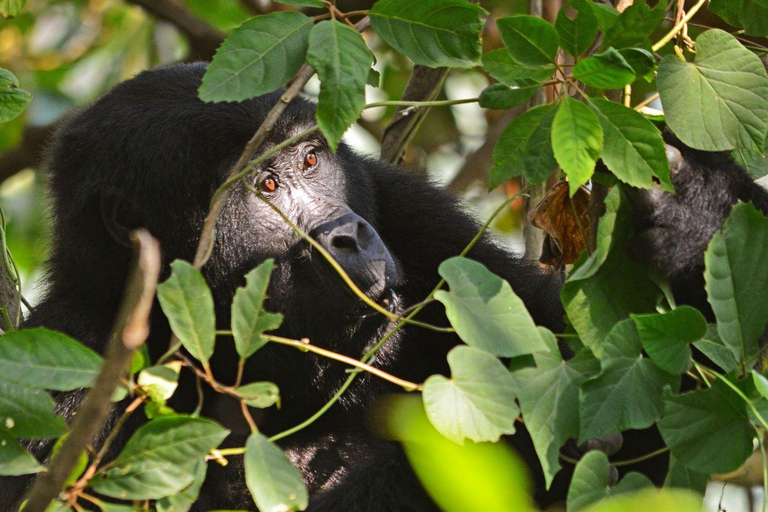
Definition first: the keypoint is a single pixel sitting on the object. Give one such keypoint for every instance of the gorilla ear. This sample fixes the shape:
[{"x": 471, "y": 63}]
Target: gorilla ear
[
  {"x": 675, "y": 158},
  {"x": 118, "y": 218}
]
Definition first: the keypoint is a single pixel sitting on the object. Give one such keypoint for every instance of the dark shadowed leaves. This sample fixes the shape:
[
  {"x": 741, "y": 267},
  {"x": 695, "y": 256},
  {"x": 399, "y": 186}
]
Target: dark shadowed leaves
[
  {"x": 525, "y": 148},
  {"x": 634, "y": 25},
  {"x": 258, "y": 57},
  {"x": 607, "y": 70},
  {"x": 628, "y": 392},
  {"x": 577, "y": 33},
  {"x": 29, "y": 413},
  {"x": 159, "y": 459},
  {"x": 707, "y": 430},
  {"x": 249, "y": 320},
  {"x": 14, "y": 459},
  {"x": 477, "y": 402},
  {"x": 590, "y": 482},
  {"x": 432, "y": 33},
  {"x": 502, "y": 96},
  {"x": 501, "y": 66},
  {"x": 665, "y": 337}
]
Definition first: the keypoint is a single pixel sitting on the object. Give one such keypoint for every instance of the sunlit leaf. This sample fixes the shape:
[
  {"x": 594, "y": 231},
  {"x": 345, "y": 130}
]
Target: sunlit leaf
[
  {"x": 432, "y": 33},
  {"x": 260, "y": 394},
  {"x": 258, "y": 57},
  {"x": 187, "y": 302},
  {"x": 274, "y": 482},
  {"x": 485, "y": 311},
  {"x": 477, "y": 402},
  {"x": 40, "y": 358},
  {"x": 342, "y": 61},
  {"x": 730, "y": 107},
  {"x": 577, "y": 141},
  {"x": 657, "y": 500},
  {"x": 737, "y": 280}
]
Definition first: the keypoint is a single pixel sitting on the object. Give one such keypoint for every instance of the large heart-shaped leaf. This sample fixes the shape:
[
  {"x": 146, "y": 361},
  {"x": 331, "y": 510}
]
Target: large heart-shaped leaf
[
  {"x": 477, "y": 402},
  {"x": 729, "y": 108}
]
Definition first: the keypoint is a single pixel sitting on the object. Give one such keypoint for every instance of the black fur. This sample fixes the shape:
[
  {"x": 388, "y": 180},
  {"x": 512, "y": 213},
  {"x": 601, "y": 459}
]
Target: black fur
[{"x": 155, "y": 153}]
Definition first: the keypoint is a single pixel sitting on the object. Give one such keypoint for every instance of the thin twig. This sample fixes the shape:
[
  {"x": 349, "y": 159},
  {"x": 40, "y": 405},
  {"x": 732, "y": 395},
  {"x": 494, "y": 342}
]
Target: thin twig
[
  {"x": 129, "y": 332},
  {"x": 677, "y": 28}
]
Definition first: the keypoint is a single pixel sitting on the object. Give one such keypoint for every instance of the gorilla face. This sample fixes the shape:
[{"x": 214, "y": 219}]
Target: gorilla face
[{"x": 309, "y": 185}]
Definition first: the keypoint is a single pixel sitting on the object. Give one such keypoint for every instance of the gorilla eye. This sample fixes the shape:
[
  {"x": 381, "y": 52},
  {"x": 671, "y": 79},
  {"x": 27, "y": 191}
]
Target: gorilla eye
[
  {"x": 268, "y": 184},
  {"x": 310, "y": 160}
]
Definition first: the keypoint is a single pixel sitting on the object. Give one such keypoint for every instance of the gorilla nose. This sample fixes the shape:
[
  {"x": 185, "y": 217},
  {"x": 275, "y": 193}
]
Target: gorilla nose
[{"x": 357, "y": 247}]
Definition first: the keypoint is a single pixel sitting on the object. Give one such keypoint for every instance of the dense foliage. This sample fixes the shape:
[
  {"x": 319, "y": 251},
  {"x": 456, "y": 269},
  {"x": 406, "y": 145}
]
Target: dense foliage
[{"x": 632, "y": 343}]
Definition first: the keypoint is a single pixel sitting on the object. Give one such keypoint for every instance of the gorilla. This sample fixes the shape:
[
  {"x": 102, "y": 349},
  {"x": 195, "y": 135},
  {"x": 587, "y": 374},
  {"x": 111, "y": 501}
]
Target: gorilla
[{"x": 150, "y": 153}]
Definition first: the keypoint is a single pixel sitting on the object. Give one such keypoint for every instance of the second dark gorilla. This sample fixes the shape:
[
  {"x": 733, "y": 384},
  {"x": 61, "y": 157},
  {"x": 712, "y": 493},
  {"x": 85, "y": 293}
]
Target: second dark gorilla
[{"x": 151, "y": 153}]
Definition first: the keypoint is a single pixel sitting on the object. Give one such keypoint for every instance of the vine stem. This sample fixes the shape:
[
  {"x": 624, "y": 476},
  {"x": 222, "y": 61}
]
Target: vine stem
[
  {"x": 436, "y": 103},
  {"x": 677, "y": 28},
  {"x": 736, "y": 390},
  {"x": 368, "y": 355},
  {"x": 306, "y": 346}
]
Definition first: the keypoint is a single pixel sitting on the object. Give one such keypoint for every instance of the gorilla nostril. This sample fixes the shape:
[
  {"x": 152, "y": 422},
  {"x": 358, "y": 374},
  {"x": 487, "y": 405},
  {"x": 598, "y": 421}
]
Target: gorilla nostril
[{"x": 344, "y": 243}]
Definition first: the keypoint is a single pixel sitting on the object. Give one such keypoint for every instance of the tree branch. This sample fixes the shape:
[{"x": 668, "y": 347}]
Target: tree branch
[
  {"x": 424, "y": 85},
  {"x": 28, "y": 153},
  {"x": 129, "y": 332},
  {"x": 203, "y": 38}
]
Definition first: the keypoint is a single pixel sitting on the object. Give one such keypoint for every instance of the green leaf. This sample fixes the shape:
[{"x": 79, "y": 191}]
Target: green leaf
[
  {"x": 577, "y": 34},
  {"x": 29, "y": 413},
  {"x": 502, "y": 96},
  {"x": 665, "y": 337},
  {"x": 525, "y": 147},
  {"x": 729, "y": 10},
  {"x": 184, "y": 499},
  {"x": 9, "y": 8},
  {"x": 658, "y": 500},
  {"x": 714, "y": 348},
  {"x": 14, "y": 459},
  {"x": 761, "y": 383},
  {"x": 549, "y": 400},
  {"x": 260, "y": 394},
  {"x": 249, "y": 320},
  {"x": 607, "y": 70},
  {"x": 158, "y": 460},
  {"x": 642, "y": 61},
  {"x": 737, "y": 280},
  {"x": 632, "y": 147},
  {"x": 485, "y": 311},
  {"x": 628, "y": 392},
  {"x": 682, "y": 477},
  {"x": 274, "y": 482},
  {"x": 432, "y": 33},
  {"x": 754, "y": 17},
  {"x": 577, "y": 141},
  {"x": 594, "y": 295},
  {"x": 303, "y": 3},
  {"x": 590, "y": 482},
  {"x": 160, "y": 382},
  {"x": 500, "y": 65},
  {"x": 44, "y": 359},
  {"x": 187, "y": 302},
  {"x": 634, "y": 25},
  {"x": 753, "y": 161},
  {"x": 729, "y": 108},
  {"x": 342, "y": 61},
  {"x": 259, "y": 57},
  {"x": 477, "y": 402},
  {"x": 606, "y": 16},
  {"x": 707, "y": 430},
  {"x": 13, "y": 100},
  {"x": 530, "y": 40},
  {"x": 473, "y": 477}
]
